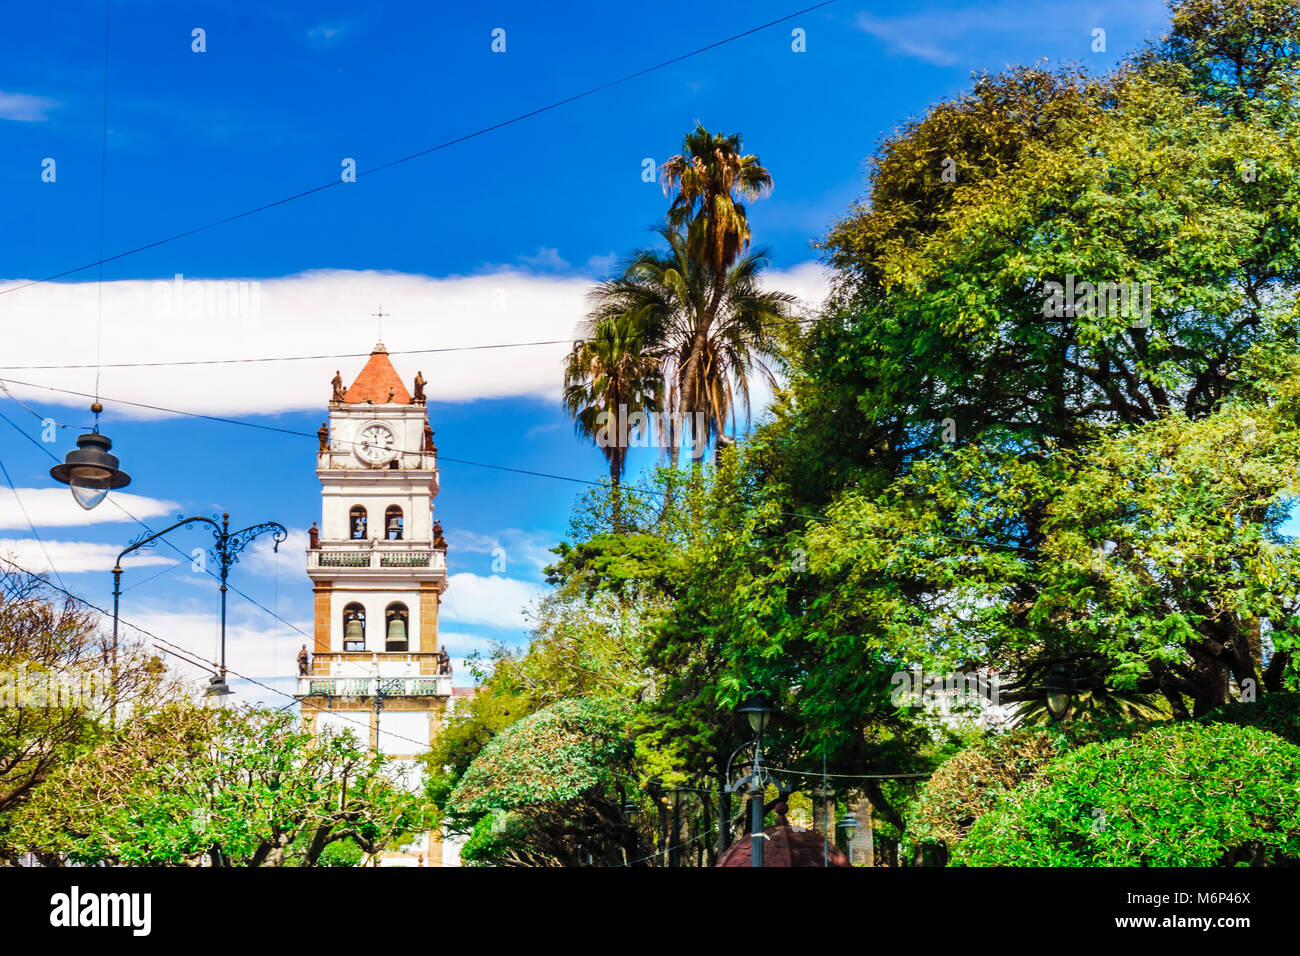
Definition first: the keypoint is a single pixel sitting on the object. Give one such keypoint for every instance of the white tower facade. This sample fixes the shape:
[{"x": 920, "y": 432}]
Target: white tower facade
[{"x": 378, "y": 567}]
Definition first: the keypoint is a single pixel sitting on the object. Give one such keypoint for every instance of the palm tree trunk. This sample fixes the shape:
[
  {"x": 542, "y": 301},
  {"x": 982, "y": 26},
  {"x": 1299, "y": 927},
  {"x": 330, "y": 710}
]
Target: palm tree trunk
[{"x": 616, "y": 481}]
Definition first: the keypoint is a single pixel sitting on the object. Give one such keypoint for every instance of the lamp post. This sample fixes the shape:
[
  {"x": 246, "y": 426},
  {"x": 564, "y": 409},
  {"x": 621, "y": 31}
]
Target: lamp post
[
  {"x": 758, "y": 708},
  {"x": 1058, "y": 692},
  {"x": 225, "y": 550},
  {"x": 632, "y": 812}
]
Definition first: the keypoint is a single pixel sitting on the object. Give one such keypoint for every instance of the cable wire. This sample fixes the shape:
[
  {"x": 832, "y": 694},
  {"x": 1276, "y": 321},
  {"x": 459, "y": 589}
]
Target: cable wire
[
  {"x": 213, "y": 666},
  {"x": 420, "y": 153}
]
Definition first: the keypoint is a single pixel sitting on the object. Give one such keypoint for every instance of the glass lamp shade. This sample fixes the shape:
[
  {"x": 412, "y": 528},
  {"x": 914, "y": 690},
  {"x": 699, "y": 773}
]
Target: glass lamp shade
[
  {"x": 1058, "y": 702},
  {"x": 849, "y": 825},
  {"x": 88, "y": 497},
  {"x": 1058, "y": 692},
  {"x": 90, "y": 471},
  {"x": 218, "y": 691}
]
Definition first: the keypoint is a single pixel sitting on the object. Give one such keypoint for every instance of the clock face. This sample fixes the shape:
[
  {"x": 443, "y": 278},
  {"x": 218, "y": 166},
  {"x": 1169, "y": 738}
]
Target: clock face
[{"x": 375, "y": 444}]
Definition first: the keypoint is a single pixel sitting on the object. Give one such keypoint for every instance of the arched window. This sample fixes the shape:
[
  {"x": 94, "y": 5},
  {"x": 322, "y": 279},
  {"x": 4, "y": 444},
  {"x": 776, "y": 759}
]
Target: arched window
[
  {"x": 396, "y": 622},
  {"x": 354, "y": 627},
  {"x": 357, "y": 523},
  {"x": 393, "y": 523}
]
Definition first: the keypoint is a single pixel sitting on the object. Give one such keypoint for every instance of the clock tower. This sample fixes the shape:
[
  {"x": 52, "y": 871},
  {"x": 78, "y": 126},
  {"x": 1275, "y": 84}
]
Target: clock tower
[{"x": 378, "y": 567}]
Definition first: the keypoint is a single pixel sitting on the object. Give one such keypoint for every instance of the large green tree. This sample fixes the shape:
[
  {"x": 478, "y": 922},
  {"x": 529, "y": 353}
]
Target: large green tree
[
  {"x": 964, "y": 475},
  {"x": 180, "y": 785}
]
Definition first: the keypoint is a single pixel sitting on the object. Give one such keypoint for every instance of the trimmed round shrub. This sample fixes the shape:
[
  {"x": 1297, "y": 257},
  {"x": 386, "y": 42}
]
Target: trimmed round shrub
[
  {"x": 558, "y": 754},
  {"x": 974, "y": 781},
  {"x": 1187, "y": 794}
]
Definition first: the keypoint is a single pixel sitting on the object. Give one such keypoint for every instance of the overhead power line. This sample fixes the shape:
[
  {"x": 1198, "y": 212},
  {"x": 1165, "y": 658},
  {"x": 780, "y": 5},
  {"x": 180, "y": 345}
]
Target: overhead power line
[
  {"x": 255, "y": 360},
  {"x": 185, "y": 654},
  {"x": 423, "y": 152},
  {"x": 292, "y": 431},
  {"x": 284, "y": 358},
  {"x": 166, "y": 541},
  {"x": 465, "y": 461}
]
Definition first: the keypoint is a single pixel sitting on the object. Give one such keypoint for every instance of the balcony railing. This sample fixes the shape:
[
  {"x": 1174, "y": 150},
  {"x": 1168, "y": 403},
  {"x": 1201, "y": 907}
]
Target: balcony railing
[
  {"x": 405, "y": 559},
  {"x": 365, "y": 686},
  {"x": 344, "y": 559},
  {"x": 376, "y": 558}
]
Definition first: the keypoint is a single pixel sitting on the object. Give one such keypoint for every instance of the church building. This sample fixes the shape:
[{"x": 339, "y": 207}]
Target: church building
[{"x": 378, "y": 567}]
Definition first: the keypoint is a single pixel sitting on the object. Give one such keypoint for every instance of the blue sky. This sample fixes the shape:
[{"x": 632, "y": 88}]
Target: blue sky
[{"x": 491, "y": 240}]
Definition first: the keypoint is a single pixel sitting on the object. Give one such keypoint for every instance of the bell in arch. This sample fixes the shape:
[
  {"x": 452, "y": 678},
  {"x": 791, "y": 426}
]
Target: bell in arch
[
  {"x": 355, "y": 631},
  {"x": 397, "y": 634},
  {"x": 394, "y": 528}
]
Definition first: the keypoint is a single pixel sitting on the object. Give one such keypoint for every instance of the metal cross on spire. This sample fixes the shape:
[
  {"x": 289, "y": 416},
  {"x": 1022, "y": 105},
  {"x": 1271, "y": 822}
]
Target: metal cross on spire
[{"x": 380, "y": 316}]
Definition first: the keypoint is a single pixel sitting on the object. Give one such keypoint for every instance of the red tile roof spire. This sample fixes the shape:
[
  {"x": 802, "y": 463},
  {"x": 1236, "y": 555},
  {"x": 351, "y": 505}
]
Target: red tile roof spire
[{"x": 378, "y": 382}]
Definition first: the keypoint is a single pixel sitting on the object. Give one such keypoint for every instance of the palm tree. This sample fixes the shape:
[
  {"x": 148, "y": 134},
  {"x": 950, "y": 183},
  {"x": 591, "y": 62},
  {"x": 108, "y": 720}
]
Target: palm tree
[
  {"x": 708, "y": 175},
  {"x": 703, "y": 345},
  {"x": 609, "y": 370}
]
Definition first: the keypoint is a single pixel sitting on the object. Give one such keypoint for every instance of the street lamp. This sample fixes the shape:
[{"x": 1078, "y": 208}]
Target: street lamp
[
  {"x": 758, "y": 708},
  {"x": 1058, "y": 692},
  {"x": 217, "y": 687},
  {"x": 226, "y": 551},
  {"x": 850, "y": 826},
  {"x": 90, "y": 471}
]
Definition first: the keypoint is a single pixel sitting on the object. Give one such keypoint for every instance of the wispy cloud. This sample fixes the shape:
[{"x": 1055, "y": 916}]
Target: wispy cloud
[
  {"x": 949, "y": 34},
  {"x": 510, "y": 545},
  {"x": 153, "y": 323},
  {"x": 55, "y": 508},
  {"x": 545, "y": 259},
  {"x": 902, "y": 36},
  {"x": 25, "y": 108},
  {"x": 71, "y": 557},
  {"x": 325, "y": 33},
  {"x": 601, "y": 266},
  {"x": 489, "y": 600}
]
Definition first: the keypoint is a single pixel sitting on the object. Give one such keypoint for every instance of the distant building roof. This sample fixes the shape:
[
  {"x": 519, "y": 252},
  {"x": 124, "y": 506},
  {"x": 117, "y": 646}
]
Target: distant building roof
[
  {"x": 464, "y": 692},
  {"x": 378, "y": 382},
  {"x": 785, "y": 846}
]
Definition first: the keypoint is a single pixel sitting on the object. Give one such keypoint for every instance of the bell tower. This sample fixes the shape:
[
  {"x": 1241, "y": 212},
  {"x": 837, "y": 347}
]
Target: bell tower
[{"x": 378, "y": 567}]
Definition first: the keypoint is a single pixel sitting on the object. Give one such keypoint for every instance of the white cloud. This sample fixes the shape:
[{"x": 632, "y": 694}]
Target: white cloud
[
  {"x": 944, "y": 35},
  {"x": 324, "y": 33},
  {"x": 55, "y": 508},
  {"x": 462, "y": 645},
  {"x": 490, "y": 600},
  {"x": 516, "y": 546},
  {"x": 261, "y": 557},
  {"x": 146, "y": 321},
  {"x": 257, "y": 646},
  {"x": 899, "y": 33},
  {"x": 601, "y": 266},
  {"x": 546, "y": 258},
  {"x": 72, "y": 557},
  {"x": 25, "y": 108}
]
